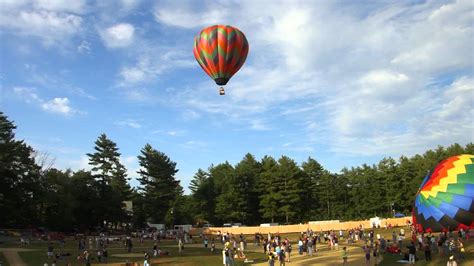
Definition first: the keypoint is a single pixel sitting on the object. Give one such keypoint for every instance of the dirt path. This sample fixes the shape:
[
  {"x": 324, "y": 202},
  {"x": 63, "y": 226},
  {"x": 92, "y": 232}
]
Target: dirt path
[{"x": 11, "y": 254}]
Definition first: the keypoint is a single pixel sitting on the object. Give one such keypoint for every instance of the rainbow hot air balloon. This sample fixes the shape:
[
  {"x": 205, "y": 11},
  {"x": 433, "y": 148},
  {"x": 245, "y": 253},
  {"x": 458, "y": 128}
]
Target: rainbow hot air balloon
[
  {"x": 445, "y": 199},
  {"x": 221, "y": 51}
]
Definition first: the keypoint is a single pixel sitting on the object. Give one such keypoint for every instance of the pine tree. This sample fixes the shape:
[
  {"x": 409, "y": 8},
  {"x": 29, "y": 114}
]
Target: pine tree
[
  {"x": 313, "y": 175},
  {"x": 158, "y": 183},
  {"x": 291, "y": 192},
  {"x": 112, "y": 178},
  {"x": 270, "y": 189},
  {"x": 247, "y": 172},
  {"x": 20, "y": 180},
  {"x": 203, "y": 197},
  {"x": 230, "y": 207}
]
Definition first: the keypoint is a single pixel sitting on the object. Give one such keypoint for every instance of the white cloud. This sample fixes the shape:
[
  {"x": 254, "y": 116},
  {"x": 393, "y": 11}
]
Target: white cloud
[
  {"x": 259, "y": 125},
  {"x": 182, "y": 14},
  {"x": 194, "y": 145},
  {"x": 76, "y": 164},
  {"x": 76, "y": 6},
  {"x": 153, "y": 62},
  {"x": 129, "y": 123},
  {"x": 84, "y": 47},
  {"x": 51, "y": 27},
  {"x": 56, "y": 105},
  {"x": 190, "y": 115},
  {"x": 118, "y": 36},
  {"x": 29, "y": 95}
]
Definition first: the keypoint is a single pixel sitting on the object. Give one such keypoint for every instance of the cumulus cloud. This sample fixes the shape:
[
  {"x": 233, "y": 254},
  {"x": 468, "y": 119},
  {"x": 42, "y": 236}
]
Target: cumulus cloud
[
  {"x": 118, "y": 36},
  {"x": 50, "y": 27},
  {"x": 59, "y": 105}
]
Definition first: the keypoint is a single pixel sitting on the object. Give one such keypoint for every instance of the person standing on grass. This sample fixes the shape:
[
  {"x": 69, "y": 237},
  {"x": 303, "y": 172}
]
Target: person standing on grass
[
  {"x": 155, "y": 249},
  {"x": 300, "y": 246},
  {"x": 367, "y": 255},
  {"x": 281, "y": 257},
  {"x": 461, "y": 249},
  {"x": 227, "y": 255},
  {"x": 451, "y": 262},
  {"x": 50, "y": 250},
  {"x": 344, "y": 256},
  {"x": 271, "y": 259},
  {"x": 180, "y": 245},
  {"x": 87, "y": 258},
  {"x": 146, "y": 259},
  {"x": 310, "y": 246},
  {"x": 427, "y": 248},
  {"x": 105, "y": 254},
  {"x": 213, "y": 245},
  {"x": 412, "y": 253}
]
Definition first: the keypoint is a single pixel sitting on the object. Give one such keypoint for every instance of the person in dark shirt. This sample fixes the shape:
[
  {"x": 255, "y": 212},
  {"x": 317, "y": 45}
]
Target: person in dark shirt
[{"x": 412, "y": 253}]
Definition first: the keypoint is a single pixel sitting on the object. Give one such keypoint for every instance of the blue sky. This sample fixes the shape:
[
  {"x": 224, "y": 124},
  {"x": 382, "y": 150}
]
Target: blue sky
[{"x": 345, "y": 82}]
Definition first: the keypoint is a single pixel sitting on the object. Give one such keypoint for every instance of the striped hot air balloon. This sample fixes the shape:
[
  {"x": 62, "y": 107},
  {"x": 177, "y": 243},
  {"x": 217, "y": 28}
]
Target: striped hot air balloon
[
  {"x": 221, "y": 51},
  {"x": 445, "y": 199}
]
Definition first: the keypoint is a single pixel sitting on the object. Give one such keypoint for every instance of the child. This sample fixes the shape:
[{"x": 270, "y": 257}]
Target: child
[{"x": 344, "y": 256}]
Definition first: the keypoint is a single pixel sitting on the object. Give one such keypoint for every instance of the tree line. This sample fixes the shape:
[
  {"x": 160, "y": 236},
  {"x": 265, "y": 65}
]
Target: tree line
[
  {"x": 33, "y": 193},
  {"x": 270, "y": 190}
]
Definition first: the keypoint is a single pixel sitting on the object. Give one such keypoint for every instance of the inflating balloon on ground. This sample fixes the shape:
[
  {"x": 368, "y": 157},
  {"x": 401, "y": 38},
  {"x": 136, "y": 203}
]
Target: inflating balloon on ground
[{"x": 445, "y": 200}]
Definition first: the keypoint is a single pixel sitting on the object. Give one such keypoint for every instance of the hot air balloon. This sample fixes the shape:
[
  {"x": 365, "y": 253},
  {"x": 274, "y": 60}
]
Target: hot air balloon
[
  {"x": 445, "y": 199},
  {"x": 221, "y": 51}
]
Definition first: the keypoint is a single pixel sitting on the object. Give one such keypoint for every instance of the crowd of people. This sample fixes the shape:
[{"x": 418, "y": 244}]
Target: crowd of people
[{"x": 278, "y": 249}]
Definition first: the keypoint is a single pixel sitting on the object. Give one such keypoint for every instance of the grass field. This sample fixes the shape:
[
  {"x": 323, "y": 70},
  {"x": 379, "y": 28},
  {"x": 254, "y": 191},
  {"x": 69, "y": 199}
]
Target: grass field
[
  {"x": 3, "y": 260},
  {"x": 196, "y": 254}
]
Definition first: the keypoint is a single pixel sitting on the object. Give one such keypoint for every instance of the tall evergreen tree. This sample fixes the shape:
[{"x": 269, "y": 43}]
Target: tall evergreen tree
[
  {"x": 269, "y": 189},
  {"x": 313, "y": 177},
  {"x": 230, "y": 206},
  {"x": 112, "y": 178},
  {"x": 247, "y": 172},
  {"x": 291, "y": 191},
  {"x": 202, "y": 197},
  {"x": 20, "y": 179},
  {"x": 158, "y": 183}
]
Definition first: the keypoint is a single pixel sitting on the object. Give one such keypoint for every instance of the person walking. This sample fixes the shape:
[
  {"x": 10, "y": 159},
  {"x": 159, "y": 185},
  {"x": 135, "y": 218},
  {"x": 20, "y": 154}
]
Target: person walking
[{"x": 344, "y": 256}]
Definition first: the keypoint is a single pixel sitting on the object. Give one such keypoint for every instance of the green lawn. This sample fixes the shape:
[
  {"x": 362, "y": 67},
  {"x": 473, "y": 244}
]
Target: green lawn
[
  {"x": 3, "y": 261},
  {"x": 193, "y": 254},
  {"x": 196, "y": 254}
]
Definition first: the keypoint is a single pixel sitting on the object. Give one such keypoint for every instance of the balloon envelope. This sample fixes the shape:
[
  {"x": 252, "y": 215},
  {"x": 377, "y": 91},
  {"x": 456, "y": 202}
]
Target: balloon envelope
[
  {"x": 221, "y": 51},
  {"x": 445, "y": 199}
]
